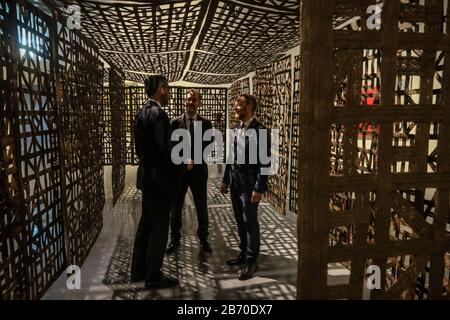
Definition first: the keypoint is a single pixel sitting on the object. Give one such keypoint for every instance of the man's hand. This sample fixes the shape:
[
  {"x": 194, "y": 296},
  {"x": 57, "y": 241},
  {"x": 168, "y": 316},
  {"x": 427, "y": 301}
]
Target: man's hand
[
  {"x": 224, "y": 188},
  {"x": 256, "y": 197}
]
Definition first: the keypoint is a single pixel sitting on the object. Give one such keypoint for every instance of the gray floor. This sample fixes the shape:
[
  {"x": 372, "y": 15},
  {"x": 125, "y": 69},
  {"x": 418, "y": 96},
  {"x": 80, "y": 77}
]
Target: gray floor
[{"x": 105, "y": 274}]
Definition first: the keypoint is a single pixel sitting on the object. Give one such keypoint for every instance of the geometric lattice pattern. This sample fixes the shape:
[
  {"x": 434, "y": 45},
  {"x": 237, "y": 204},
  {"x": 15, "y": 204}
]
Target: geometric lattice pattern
[
  {"x": 12, "y": 230},
  {"x": 208, "y": 42},
  {"x": 118, "y": 131},
  {"x": 80, "y": 80},
  {"x": 212, "y": 107},
  {"x": 204, "y": 276},
  {"x": 50, "y": 174},
  {"x": 273, "y": 92},
  {"x": 106, "y": 127},
  {"x": 295, "y": 139},
  {"x": 39, "y": 159},
  {"x": 382, "y": 194}
]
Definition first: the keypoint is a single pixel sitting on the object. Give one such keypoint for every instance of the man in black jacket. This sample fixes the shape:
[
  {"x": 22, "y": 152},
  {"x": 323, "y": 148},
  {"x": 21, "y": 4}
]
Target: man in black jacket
[
  {"x": 193, "y": 175},
  {"x": 155, "y": 175},
  {"x": 247, "y": 178}
]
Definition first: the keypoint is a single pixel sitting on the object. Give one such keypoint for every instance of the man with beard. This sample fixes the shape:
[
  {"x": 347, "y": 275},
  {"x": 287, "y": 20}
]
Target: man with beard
[
  {"x": 247, "y": 182},
  {"x": 193, "y": 175}
]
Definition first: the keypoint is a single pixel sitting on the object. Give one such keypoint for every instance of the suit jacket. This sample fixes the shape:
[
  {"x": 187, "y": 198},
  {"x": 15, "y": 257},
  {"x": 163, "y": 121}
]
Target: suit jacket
[
  {"x": 181, "y": 122},
  {"x": 246, "y": 178},
  {"x": 151, "y": 136}
]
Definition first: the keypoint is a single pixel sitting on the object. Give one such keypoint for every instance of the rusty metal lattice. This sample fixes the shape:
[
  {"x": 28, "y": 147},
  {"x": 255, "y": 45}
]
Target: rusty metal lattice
[
  {"x": 106, "y": 127},
  {"x": 293, "y": 178},
  {"x": 206, "y": 31},
  {"x": 382, "y": 196},
  {"x": 40, "y": 160},
  {"x": 134, "y": 99},
  {"x": 118, "y": 131},
  {"x": 12, "y": 232},
  {"x": 273, "y": 89},
  {"x": 263, "y": 89},
  {"x": 79, "y": 80},
  {"x": 51, "y": 176}
]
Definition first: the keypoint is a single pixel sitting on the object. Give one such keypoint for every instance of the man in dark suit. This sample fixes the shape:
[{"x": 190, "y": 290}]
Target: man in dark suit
[
  {"x": 193, "y": 175},
  {"x": 155, "y": 175},
  {"x": 247, "y": 178}
]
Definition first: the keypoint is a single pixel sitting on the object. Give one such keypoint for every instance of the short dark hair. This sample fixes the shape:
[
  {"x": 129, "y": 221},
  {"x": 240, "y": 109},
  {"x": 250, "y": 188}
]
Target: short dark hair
[
  {"x": 191, "y": 91},
  {"x": 153, "y": 82},
  {"x": 251, "y": 100}
]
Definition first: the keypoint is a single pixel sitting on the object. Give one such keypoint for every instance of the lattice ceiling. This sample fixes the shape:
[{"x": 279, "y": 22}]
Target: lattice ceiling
[{"x": 201, "y": 41}]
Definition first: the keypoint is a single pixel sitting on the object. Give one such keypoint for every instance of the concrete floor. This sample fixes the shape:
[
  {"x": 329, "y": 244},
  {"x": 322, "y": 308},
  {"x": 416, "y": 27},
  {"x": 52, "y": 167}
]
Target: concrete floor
[{"x": 106, "y": 272}]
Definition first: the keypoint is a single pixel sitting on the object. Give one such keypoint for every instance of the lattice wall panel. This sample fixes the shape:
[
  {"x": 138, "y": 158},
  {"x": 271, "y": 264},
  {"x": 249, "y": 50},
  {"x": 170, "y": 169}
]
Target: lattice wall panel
[
  {"x": 80, "y": 80},
  {"x": 134, "y": 99},
  {"x": 51, "y": 175},
  {"x": 388, "y": 172},
  {"x": 273, "y": 91},
  {"x": 118, "y": 131},
  {"x": 293, "y": 178},
  {"x": 236, "y": 89},
  {"x": 40, "y": 159},
  {"x": 106, "y": 128},
  {"x": 12, "y": 232},
  {"x": 263, "y": 90}
]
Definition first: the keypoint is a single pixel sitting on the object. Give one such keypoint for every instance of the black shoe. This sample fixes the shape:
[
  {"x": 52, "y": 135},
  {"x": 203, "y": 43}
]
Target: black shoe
[
  {"x": 205, "y": 246},
  {"x": 162, "y": 282},
  {"x": 236, "y": 261},
  {"x": 174, "y": 245},
  {"x": 247, "y": 271}
]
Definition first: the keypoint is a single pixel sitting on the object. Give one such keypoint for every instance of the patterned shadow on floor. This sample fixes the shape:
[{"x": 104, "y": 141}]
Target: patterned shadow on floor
[{"x": 205, "y": 275}]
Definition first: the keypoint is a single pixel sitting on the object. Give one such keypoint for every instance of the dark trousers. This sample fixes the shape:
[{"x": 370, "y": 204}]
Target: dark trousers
[
  {"x": 246, "y": 214},
  {"x": 196, "y": 180},
  {"x": 151, "y": 236}
]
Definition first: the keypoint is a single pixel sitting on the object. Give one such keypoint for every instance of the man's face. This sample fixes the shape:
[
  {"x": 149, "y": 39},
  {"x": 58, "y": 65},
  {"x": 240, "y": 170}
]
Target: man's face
[
  {"x": 241, "y": 108},
  {"x": 164, "y": 93},
  {"x": 192, "y": 103}
]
